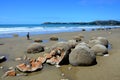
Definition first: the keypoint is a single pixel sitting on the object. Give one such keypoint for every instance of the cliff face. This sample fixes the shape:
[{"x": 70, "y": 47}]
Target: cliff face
[{"x": 98, "y": 22}]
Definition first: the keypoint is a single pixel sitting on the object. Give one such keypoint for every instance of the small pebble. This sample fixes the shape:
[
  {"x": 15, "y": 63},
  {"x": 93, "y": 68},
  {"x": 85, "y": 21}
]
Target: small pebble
[
  {"x": 1, "y": 67},
  {"x": 62, "y": 74},
  {"x": 18, "y": 59},
  {"x": 69, "y": 68},
  {"x": 22, "y": 74},
  {"x": 106, "y": 55},
  {"x": 110, "y": 32},
  {"x": 24, "y": 57},
  {"x": 57, "y": 66},
  {"x": 10, "y": 68}
]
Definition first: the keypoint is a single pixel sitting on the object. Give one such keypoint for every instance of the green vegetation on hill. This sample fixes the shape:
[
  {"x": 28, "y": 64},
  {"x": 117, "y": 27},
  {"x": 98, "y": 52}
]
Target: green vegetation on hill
[{"x": 98, "y": 22}]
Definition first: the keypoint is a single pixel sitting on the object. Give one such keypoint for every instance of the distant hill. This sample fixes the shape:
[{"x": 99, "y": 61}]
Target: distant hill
[{"x": 98, "y": 22}]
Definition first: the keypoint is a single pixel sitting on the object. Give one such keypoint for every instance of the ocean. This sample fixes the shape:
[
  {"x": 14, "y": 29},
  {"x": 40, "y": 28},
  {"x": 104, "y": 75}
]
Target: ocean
[{"x": 8, "y": 30}]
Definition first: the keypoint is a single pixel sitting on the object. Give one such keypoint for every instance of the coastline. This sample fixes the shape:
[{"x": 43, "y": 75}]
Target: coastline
[
  {"x": 14, "y": 30},
  {"x": 107, "y": 68}
]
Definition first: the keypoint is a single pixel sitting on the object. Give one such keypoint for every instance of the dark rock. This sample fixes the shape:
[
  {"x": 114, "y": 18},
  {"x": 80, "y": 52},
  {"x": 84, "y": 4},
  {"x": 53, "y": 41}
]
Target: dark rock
[
  {"x": 38, "y": 40},
  {"x": 93, "y": 29},
  {"x": 83, "y": 30},
  {"x": 2, "y": 58},
  {"x": 1, "y": 43},
  {"x": 54, "y": 38}
]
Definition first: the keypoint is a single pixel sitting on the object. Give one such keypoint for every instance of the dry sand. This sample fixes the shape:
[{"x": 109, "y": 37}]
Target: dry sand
[{"x": 107, "y": 68}]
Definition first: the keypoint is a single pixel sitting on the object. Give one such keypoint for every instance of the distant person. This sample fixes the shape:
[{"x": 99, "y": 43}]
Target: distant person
[{"x": 28, "y": 36}]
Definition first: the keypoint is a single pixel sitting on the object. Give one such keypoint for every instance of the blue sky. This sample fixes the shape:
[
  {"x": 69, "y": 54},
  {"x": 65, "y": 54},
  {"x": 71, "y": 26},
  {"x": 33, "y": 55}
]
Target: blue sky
[{"x": 38, "y": 11}]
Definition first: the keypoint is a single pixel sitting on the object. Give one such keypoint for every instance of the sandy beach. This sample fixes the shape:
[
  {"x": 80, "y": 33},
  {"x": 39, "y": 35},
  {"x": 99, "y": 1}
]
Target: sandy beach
[{"x": 107, "y": 68}]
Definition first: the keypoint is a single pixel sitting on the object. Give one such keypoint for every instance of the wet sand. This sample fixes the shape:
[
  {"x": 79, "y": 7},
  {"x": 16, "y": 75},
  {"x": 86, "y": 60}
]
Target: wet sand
[{"x": 107, "y": 68}]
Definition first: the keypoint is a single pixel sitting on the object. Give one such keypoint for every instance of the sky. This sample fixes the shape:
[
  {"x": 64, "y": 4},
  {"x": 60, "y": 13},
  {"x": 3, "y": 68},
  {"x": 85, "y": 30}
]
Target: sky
[{"x": 39, "y": 11}]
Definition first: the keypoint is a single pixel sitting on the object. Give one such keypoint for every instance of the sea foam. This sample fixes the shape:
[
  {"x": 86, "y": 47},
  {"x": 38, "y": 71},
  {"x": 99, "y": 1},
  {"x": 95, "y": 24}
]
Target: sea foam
[{"x": 21, "y": 30}]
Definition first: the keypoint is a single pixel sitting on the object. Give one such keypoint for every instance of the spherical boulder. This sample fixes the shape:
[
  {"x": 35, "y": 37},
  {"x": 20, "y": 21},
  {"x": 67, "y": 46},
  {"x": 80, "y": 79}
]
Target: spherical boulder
[
  {"x": 91, "y": 43},
  {"x": 82, "y": 44},
  {"x": 35, "y": 48},
  {"x": 77, "y": 38},
  {"x": 99, "y": 49},
  {"x": 38, "y": 40},
  {"x": 81, "y": 35},
  {"x": 82, "y": 57},
  {"x": 103, "y": 40},
  {"x": 72, "y": 43},
  {"x": 54, "y": 38},
  {"x": 62, "y": 45}
]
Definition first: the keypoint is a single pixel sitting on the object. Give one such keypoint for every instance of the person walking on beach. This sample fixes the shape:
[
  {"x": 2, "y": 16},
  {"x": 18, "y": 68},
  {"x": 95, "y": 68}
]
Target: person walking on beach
[{"x": 28, "y": 36}]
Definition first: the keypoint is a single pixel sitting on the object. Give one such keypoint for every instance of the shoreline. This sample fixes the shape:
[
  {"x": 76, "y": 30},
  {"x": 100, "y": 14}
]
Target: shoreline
[
  {"x": 23, "y": 34},
  {"x": 40, "y": 30},
  {"x": 107, "y": 68}
]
